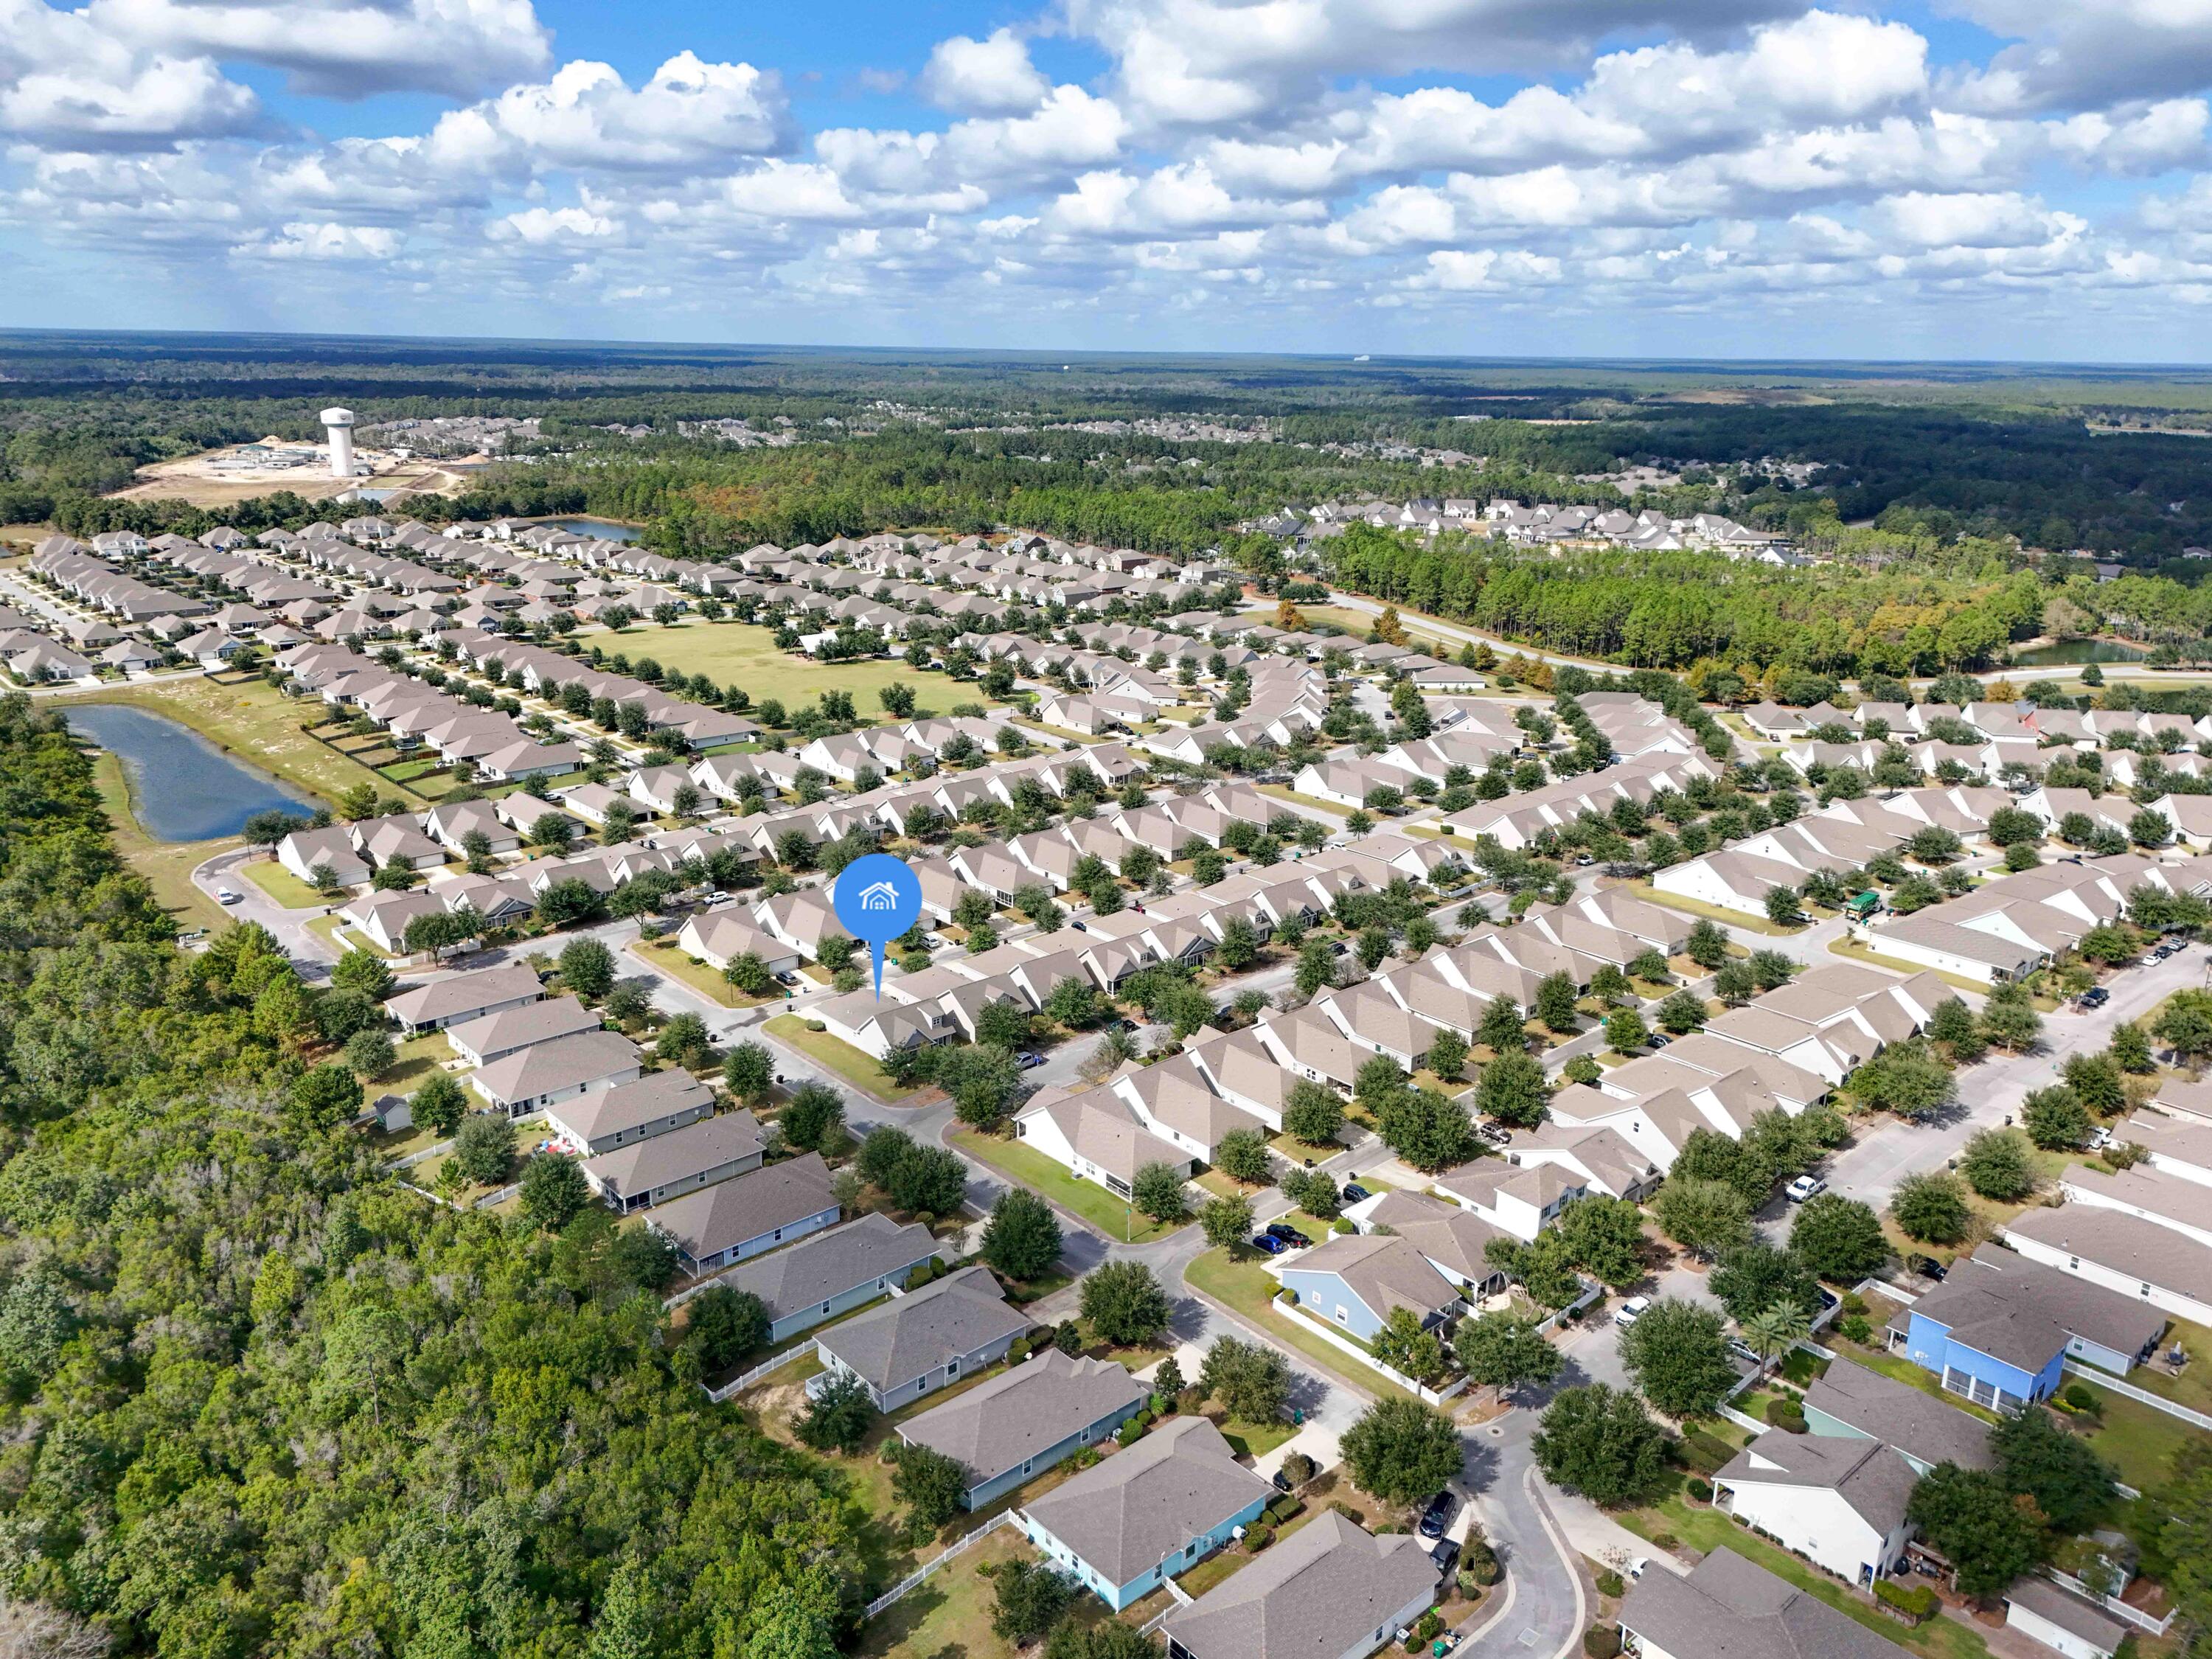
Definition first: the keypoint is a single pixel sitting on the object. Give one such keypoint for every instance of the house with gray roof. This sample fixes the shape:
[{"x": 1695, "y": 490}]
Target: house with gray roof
[
  {"x": 926, "y": 1339},
  {"x": 600, "y": 1120},
  {"x": 656, "y": 1169},
  {"x": 2061, "y": 1621},
  {"x": 731, "y": 1220},
  {"x": 1728, "y": 1608},
  {"x": 480, "y": 1041},
  {"x": 1026, "y": 1420},
  {"x": 1357, "y": 1280},
  {"x": 832, "y": 1273},
  {"x": 1330, "y": 1590},
  {"x": 1148, "y": 1512},
  {"x": 545, "y": 1073},
  {"x": 462, "y": 997},
  {"x": 1839, "y": 1501},
  {"x": 1851, "y": 1401}
]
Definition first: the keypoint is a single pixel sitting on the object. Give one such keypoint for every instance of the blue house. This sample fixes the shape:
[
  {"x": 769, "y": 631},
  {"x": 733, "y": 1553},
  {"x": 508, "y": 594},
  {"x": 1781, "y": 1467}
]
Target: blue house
[
  {"x": 1357, "y": 1279},
  {"x": 1148, "y": 1512},
  {"x": 1027, "y": 1418},
  {"x": 1999, "y": 1330}
]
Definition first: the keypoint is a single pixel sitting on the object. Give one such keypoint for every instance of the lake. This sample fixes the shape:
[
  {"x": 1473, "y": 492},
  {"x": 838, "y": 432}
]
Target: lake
[
  {"x": 2074, "y": 651},
  {"x": 605, "y": 529},
  {"x": 182, "y": 787}
]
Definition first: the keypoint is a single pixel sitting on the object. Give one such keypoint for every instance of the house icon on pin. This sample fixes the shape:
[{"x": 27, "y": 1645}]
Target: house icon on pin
[{"x": 881, "y": 895}]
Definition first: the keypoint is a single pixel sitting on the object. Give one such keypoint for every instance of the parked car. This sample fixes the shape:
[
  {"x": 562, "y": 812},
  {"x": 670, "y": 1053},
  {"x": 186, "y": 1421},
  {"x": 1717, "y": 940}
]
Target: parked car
[
  {"x": 2095, "y": 996},
  {"x": 224, "y": 895},
  {"x": 1353, "y": 1192},
  {"x": 1446, "y": 1556},
  {"x": 1079, "y": 927},
  {"x": 1438, "y": 1515},
  {"x": 1268, "y": 1244},
  {"x": 1805, "y": 1187},
  {"x": 1290, "y": 1237},
  {"x": 786, "y": 977},
  {"x": 1635, "y": 1569},
  {"x": 2101, "y": 1137},
  {"x": 1927, "y": 1267},
  {"x": 1497, "y": 1134},
  {"x": 1659, "y": 1040},
  {"x": 1632, "y": 1310}
]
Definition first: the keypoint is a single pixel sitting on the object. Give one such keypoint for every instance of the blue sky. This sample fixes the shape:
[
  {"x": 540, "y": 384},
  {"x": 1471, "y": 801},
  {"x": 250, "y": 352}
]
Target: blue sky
[{"x": 2000, "y": 179}]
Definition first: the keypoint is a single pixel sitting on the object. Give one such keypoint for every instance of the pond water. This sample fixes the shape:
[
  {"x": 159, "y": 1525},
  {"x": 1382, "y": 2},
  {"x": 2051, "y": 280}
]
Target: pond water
[
  {"x": 2074, "y": 651},
  {"x": 182, "y": 787},
  {"x": 605, "y": 529}
]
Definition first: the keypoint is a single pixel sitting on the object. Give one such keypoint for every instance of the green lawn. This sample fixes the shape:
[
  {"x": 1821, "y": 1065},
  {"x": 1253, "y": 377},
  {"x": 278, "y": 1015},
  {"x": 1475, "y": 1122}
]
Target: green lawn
[
  {"x": 1246, "y": 1287},
  {"x": 281, "y": 885},
  {"x": 1707, "y": 1529},
  {"x": 1283, "y": 792},
  {"x": 419, "y": 1056},
  {"x": 329, "y": 926},
  {"x": 666, "y": 957},
  {"x": 1858, "y": 952},
  {"x": 1255, "y": 1439},
  {"x": 1086, "y": 1199},
  {"x": 1644, "y": 890},
  {"x": 735, "y": 653},
  {"x": 840, "y": 1056},
  {"x": 2138, "y": 1441},
  {"x": 2193, "y": 1388}
]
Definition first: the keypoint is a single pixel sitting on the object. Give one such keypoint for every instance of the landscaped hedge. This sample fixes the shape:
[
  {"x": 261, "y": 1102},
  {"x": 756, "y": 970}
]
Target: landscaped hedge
[
  {"x": 1915, "y": 1601},
  {"x": 1601, "y": 1642}
]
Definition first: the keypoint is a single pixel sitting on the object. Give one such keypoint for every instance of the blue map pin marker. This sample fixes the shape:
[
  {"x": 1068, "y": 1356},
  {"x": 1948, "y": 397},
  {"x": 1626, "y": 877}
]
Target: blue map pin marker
[{"x": 876, "y": 898}]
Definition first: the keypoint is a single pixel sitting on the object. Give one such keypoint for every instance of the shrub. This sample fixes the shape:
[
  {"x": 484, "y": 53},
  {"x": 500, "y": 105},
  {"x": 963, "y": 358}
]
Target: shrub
[
  {"x": 1257, "y": 1538},
  {"x": 1608, "y": 1584},
  {"x": 1854, "y": 1302},
  {"x": 1666, "y": 1540},
  {"x": 1341, "y": 1225},
  {"x": 1429, "y": 1626},
  {"x": 1339, "y": 1507},
  {"x": 1702, "y": 1490},
  {"x": 1917, "y": 1600},
  {"x": 1297, "y": 1468},
  {"x": 1019, "y": 1352},
  {"x": 1787, "y": 1414},
  {"x": 1131, "y": 1432},
  {"x": 2081, "y": 1399},
  {"x": 1601, "y": 1642},
  {"x": 1856, "y": 1328}
]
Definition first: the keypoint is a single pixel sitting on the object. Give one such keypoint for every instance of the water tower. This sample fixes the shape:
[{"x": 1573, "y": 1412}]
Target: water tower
[{"x": 338, "y": 423}]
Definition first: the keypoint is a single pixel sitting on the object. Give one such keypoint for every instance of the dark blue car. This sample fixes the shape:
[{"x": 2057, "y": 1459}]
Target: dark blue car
[{"x": 1268, "y": 1244}]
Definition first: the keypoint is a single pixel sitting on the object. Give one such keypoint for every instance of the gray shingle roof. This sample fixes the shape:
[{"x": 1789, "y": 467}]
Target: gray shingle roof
[
  {"x": 1867, "y": 1475},
  {"x": 958, "y": 1315},
  {"x": 1023, "y": 1411},
  {"x": 1730, "y": 1608},
  {"x": 1900, "y": 1415},
  {"x": 695, "y": 1149},
  {"x": 1999, "y": 1302},
  {"x": 817, "y": 1269},
  {"x": 1128, "y": 1513},
  {"x": 1316, "y": 1594},
  {"x": 715, "y": 1218}
]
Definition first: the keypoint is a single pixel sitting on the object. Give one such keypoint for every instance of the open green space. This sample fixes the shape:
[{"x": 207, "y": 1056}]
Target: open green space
[
  {"x": 281, "y": 886},
  {"x": 1705, "y": 1529},
  {"x": 1086, "y": 1199},
  {"x": 1283, "y": 792},
  {"x": 2193, "y": 1388},
  {"x": 1690, "y": 907},
  {"x": 2138, "y": 1441},
  {"x": 839, "y": 1055},
  {"x": 745, "y": 654},
  {"x": 665, "y": 956}
]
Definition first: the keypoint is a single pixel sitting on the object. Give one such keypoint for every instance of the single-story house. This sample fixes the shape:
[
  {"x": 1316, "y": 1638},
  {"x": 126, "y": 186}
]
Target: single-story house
[
  {"x": 727, "y": 1222},
  {"x": 1727, "y": 1605},
  {"x": 832, "y": 1273},
  {"x": 531, "y": 1079},
  {"x": 2061, "y": 1621},
  {"x": 494, "y": 1036},
  {"x": 1026, "y": 1420},
  {"x": 599, "y": 1120},
  {"x": 1330, "y": 1590},
  {"x": 718, "y": 938},
  {"x": 302, "y": 850},
  {"x": 661, "y": 1167},
  {"x": 1147, "y": 1513},
  {"x": 464, "y": 997},
  {"x": 1358, "y": 1280},
  {"x": 921, "y": 1341}
]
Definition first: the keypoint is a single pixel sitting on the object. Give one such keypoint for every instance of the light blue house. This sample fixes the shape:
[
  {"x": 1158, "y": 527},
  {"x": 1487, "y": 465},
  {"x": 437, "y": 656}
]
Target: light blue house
[
  {"x": 1027, "y": 1418},
  {"x": 1356, "y": 1280},
  {"x": 832, "y": 1273},
  {"x": 1148, "y": 1512},
  {"x": 1999, "y": 1329}
]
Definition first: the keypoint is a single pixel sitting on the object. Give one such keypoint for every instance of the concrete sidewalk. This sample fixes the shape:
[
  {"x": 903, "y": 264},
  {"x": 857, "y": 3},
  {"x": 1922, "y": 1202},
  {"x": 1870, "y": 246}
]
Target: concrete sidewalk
[{"x": 1593, "y": 1534}]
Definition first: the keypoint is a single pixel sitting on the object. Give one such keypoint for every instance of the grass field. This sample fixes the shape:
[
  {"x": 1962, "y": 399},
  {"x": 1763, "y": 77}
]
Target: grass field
[
  {"x": 840, "y": 1056},
  {"x": 1857, "y": 953},
  {"x": 1087, "y": 1200},
  {"x": 666, "y": 957},
  {"x": 281, "y": 885},
  {"x": 168, "y": 866},
  {"x": 251, "y": 719},
  {"x": 1283, "y": 792},
  {"x": 740, "y": 654},
  {"x": 2138, "y": 1441},
  {"x": 1690, "y": 907}
]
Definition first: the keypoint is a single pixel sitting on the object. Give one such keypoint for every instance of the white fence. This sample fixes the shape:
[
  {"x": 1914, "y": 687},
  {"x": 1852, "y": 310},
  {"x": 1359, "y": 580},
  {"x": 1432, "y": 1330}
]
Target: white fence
[
  {"x": 2141, "y": 1396},
  {"x": 1291, "y": 1310},
  {"x": 2111, "y": 1604},
  {"x": 916, "y": 1579},
  {"x": 767, "y": 1367},
  {"x": 1591, "y": 1291}
]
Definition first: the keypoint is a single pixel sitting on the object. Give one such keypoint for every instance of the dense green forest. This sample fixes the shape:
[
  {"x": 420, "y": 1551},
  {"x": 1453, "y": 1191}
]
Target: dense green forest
[
  {"x": 965, "y": 442},
  {"x": 257, "y": 1400}
]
